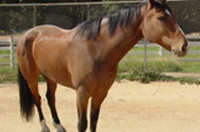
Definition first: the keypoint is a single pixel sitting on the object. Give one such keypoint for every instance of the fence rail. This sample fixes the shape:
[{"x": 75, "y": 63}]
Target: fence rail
[{"x": 11, "y": 42}]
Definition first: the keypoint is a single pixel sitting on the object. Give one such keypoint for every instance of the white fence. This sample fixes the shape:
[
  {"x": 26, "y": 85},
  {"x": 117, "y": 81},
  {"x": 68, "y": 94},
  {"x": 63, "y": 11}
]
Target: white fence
[
  {"x": 194, "y": 41},
  {"x": 10, "y": 43}
]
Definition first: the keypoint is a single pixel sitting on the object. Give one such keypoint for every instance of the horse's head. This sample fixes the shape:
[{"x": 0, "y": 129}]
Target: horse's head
[{"x": 159, "y": 26}]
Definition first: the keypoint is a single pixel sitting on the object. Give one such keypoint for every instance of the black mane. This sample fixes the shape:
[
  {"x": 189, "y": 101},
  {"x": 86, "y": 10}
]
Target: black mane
[
  {"x": 123, "y": 17},
  {"x": 90, "y": 29}
]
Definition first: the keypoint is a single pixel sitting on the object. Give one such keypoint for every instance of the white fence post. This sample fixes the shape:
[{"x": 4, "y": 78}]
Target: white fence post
[
  {"x": 161, "y": 51},
  {"x": 88, "y": 11},
  {"x": 12, "y": 61},
  {"x": 145, "y": 56},
  {"x": 34, "y": 15}
]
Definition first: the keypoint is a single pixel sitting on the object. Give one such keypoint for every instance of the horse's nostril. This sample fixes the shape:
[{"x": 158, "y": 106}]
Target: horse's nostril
[{"x": 184, "y": 48}]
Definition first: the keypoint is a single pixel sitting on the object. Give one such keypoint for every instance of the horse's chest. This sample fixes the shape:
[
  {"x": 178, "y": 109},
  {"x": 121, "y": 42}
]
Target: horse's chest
[{"x": 101, "y": 81}]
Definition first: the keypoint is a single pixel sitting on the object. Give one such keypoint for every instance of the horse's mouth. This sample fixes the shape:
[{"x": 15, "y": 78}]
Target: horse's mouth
[
  {"x": 178, "y": 54},
  {"x": 175, "y": 55}
]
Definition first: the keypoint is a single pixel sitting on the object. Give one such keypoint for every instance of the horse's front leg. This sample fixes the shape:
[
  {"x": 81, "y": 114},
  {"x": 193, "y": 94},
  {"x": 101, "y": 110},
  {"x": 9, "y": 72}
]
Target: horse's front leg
[
  {"x": 95, "y": 109},
  {"x": 82, "y": 103}
]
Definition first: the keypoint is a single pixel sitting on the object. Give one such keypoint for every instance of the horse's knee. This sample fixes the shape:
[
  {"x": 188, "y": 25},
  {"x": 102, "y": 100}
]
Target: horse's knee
[
  {"x": 37, "y": 100},
  {"x": 50, "y": 99},
  {"x": 95, "y": 110},
  {"x": 48, "y": 96},
  {"x": 82, "y": 103}
]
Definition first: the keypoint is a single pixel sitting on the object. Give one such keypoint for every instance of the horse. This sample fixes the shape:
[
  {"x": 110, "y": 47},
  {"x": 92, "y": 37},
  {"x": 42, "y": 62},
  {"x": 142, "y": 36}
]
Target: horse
[{"x": 86, "y": 57}]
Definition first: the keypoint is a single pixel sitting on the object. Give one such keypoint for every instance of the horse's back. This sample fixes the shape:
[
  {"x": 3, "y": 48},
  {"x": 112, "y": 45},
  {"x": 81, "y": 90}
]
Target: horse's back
[
  {"x": 27, "y": 41},
  {"x": 42, "y": 49}
]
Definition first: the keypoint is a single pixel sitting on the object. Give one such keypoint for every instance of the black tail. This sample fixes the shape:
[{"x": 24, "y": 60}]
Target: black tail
[{"x": 26, "y": 97}]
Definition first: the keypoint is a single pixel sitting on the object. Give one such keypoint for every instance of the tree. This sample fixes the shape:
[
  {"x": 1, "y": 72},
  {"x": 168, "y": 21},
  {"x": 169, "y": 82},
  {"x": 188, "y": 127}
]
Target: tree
[
  {"x": 44, "y": 1},
  {"x": 187, "y": 14}
]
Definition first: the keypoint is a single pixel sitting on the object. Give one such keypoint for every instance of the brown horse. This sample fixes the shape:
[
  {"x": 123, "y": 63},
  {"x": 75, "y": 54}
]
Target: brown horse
[{"x": 86, "y": 57}]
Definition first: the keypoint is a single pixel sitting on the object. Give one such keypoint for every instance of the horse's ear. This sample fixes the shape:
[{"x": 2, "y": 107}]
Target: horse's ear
[
  {"x": 163, "y": 0},
  {"x": 152, "y": 1}
]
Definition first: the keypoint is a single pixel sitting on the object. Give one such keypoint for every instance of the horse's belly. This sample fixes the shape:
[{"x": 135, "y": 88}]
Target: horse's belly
[{"x": 60, "y": 77}]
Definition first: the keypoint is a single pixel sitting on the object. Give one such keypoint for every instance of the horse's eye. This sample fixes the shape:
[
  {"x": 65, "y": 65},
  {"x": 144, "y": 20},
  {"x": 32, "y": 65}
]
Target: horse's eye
[{"x": 161, "y": 18}]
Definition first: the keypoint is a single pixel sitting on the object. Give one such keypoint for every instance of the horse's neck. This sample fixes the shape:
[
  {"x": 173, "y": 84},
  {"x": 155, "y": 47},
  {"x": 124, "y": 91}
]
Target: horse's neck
[{"x": 117, "y": 45}]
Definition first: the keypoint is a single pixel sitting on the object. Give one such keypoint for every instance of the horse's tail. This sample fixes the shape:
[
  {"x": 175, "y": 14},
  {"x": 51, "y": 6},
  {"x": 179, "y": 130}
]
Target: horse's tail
[{"x": 26, "y": 97}]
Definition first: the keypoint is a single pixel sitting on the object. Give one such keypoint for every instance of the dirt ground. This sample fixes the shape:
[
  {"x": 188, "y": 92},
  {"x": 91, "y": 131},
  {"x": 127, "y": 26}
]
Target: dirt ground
[{"x": 129, "y": 107}]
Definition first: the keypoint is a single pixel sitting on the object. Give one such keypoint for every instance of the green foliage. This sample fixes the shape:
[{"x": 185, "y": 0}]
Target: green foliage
[
  {"x": 44, "y": 1},
  {"x": 189, "y": 80},
  {"x": 152, "y": 75},
  {"x": 144, "y": 77},
  {"x": 165, "y": 66},
  {"x": 134, "y": 71},
  {"x": 10, "y": 75}
]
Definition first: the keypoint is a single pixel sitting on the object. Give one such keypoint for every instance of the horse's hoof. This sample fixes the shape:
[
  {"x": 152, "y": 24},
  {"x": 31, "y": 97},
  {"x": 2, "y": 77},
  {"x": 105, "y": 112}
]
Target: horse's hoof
[
  {"x": 59, "y": 127},
  {"x": 45, "y": 130},
  {"x": 44, "y": 126},
  {"x": 62, "y": 130}
]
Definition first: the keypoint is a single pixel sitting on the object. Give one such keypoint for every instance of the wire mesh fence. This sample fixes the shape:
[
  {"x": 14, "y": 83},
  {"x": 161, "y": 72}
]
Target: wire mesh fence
[{"x": 15, "y": 19}]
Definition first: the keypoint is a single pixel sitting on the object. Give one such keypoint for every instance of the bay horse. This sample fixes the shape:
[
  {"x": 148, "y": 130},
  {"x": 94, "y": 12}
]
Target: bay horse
[{"x": 85, "y": 58}]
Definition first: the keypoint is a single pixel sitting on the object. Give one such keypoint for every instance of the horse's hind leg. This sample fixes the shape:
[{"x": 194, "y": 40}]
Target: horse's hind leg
[
  {"x": 29, "y": 72},
  {"x": 51, "y": 89},
  {"x": 31, "y": 76},
  {"x": 33, "y": 85}
]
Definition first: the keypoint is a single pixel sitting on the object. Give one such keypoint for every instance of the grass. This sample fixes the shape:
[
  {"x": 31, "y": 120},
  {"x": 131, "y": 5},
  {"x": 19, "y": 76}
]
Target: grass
[
  {"x": 2, "y": 52},
  {"x": 10, "y": 75},
  {"x": 150, "y": 76},
  {"x": 131, "y": 67},
  {"x": 7, "y": 74}
]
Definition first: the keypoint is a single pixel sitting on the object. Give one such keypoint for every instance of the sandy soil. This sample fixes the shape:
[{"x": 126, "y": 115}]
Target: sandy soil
[{"x": 129, "y": 107}]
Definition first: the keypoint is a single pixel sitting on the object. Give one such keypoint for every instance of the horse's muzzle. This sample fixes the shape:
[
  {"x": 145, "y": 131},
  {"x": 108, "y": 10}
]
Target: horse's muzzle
[
  {"x": 182, "y": 51},
  {"x": 185, "y": 47}
]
